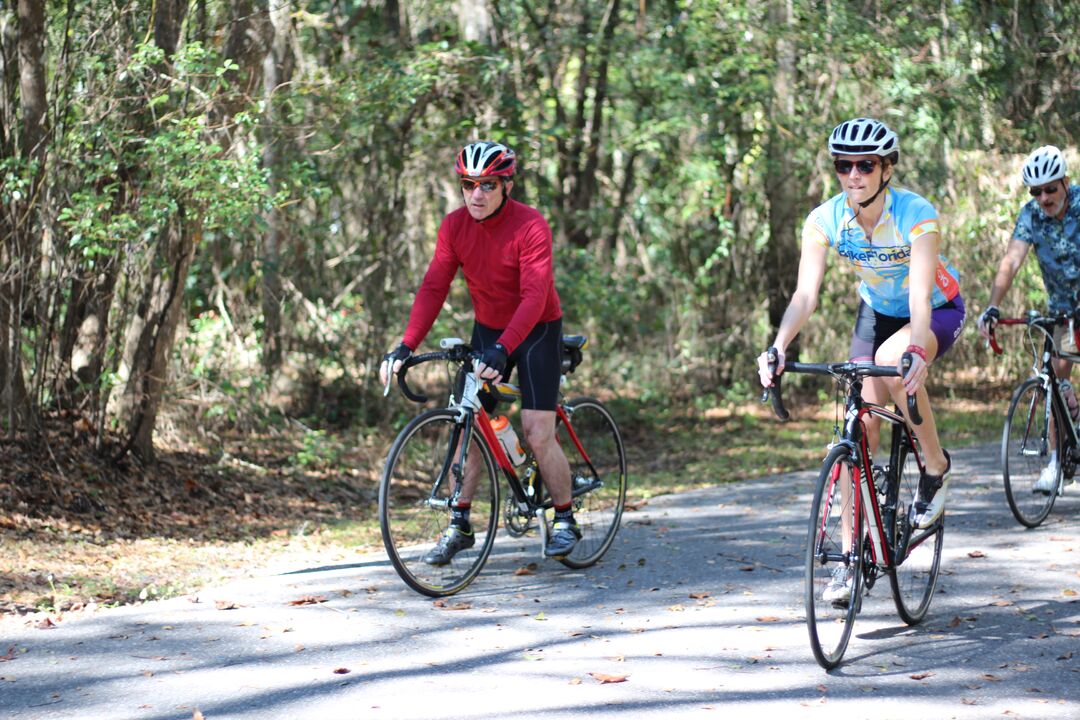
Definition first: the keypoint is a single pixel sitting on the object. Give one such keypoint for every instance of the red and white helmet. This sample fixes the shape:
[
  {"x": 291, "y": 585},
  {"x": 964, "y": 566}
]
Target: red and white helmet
[
  {"x": 485, "y": 158},
  {"x": 1043, "y": 166}
]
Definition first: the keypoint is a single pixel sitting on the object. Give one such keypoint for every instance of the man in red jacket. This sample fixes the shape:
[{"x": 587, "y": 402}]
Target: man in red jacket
[{"x": 504, "y": 249}]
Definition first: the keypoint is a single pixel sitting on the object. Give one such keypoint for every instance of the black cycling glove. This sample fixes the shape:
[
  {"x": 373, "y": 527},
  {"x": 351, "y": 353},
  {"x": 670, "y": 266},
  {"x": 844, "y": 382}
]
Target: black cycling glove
[
  {"x": 495, "y": 358},
  {"x": 990, "y": 315},
  {"x": 401, "y": 352}
]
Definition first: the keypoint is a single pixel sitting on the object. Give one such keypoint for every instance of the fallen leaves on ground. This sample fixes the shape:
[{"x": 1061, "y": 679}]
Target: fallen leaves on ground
[
  {"x": 308, "y": 600},
  {"x": 604, "y": 679},
  {"x": 460, "y": 605},
  {"x": 921, "y": 675},
  {"x": 976, "y": 554}
]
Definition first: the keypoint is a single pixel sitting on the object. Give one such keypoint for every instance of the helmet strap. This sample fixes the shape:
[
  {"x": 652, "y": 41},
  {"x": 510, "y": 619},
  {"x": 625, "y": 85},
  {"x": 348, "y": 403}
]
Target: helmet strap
[
  {"x": 498, "y": 209},
  {"x": 881, "y": 189}
]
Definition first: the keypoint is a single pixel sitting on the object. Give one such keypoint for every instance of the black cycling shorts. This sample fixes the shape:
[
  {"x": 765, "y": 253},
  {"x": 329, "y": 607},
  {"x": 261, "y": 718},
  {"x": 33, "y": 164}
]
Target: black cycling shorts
[{"x": 538, "y": 360}]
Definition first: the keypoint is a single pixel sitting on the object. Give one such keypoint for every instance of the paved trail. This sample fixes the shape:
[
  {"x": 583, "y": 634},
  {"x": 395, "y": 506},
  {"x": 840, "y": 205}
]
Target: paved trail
[{"x": 698, "y": 605}]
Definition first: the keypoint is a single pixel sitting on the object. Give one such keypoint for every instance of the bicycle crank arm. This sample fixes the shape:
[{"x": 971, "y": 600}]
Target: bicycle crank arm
[{"x": 543, "y": 531}]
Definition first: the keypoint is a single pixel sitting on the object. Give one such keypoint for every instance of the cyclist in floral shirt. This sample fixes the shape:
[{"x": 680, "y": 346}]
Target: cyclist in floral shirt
[{"x": 1049, "y": 222}]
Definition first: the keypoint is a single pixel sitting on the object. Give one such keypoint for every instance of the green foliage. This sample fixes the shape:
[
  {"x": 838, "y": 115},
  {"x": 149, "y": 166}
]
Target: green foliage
[{"x": 334, "y": 184}]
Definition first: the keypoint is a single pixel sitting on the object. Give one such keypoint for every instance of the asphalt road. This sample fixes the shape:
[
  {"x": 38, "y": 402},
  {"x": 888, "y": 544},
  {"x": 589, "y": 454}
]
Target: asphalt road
[{"x": 695, "y": 612}]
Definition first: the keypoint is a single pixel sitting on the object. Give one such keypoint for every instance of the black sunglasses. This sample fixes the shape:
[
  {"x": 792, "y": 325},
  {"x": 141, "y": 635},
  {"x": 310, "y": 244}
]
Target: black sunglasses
[
  {"x": 470, "y": 185},
  {"x": 865, "y": 167},
  {"x": 1049, "y": 190}
]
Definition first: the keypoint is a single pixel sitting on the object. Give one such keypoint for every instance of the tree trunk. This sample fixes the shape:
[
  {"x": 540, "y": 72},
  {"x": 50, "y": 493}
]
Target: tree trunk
[
  {"x": 585, "y": 152},
  {"x": 152, "y": 331},
  {"x": 780, "y": 185},
  {"x": 20, "y": 218},
  {"x": 274, "y": 67},
  {"x": 168, "y": 22}
]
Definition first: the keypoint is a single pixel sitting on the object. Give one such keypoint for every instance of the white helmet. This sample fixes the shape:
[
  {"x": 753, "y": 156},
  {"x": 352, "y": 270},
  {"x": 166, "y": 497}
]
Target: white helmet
[
  {"x": 864, "y": 136},
  {"x": 1044, "y": 165}
]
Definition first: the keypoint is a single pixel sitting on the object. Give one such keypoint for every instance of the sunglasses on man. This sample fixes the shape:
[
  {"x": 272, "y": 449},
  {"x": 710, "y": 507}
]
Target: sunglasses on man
[
  {"x": 1048, "y": 189},
  {"x": 487, "y": 186},
  {"x": 865, "y": 167}
]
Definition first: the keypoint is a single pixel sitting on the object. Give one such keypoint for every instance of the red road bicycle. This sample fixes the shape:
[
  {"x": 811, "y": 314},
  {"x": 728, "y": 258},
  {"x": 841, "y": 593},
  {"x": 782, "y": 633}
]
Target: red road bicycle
[
  {"x": 1040, "y": 445},
  {"x": 425, "y": 470},
  {"x": 862, "y": 517}
]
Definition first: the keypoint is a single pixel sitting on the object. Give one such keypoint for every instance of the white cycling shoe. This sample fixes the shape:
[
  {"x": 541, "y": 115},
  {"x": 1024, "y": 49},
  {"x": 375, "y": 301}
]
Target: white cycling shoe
[{"x": 1048, "y": 479}]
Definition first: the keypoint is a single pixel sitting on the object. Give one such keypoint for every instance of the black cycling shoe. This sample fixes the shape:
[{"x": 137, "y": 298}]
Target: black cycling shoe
[
  {"x": 453, "y": 541},
  {"x": 564, "y": 536}
]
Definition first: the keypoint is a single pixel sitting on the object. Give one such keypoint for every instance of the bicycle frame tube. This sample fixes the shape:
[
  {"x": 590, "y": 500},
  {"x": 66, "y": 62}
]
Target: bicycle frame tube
[
  {"x": 501, "y": 458},
  {"x": 562, "y": 415}
]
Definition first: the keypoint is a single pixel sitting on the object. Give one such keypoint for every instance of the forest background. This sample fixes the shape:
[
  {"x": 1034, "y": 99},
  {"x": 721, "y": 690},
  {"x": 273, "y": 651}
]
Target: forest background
[{"x": 214, "y": 216}]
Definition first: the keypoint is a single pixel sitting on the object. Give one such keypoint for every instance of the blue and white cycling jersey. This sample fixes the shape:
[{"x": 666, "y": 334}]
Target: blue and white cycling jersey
[
  {"x": 1057, "y": 246},
  {"x": 883, "y": 261}
]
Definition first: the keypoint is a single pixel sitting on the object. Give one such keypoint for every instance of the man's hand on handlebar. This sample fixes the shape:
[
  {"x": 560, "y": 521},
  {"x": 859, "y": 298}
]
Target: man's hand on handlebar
[
  {"x": 987, "y": 321},
  {"x": 391, "y": 365},
  {"x": 492, "y": 363}
]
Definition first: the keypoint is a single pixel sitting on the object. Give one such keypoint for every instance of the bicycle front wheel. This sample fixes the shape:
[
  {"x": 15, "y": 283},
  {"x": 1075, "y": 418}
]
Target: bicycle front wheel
[
  {"x": 1029, "y": 439},
  {"x": 414, "y": 503},
  {"x": 916, "y": 553},
  {"x": 831, "y": 554},
  {"x": 597, "y": 460}
]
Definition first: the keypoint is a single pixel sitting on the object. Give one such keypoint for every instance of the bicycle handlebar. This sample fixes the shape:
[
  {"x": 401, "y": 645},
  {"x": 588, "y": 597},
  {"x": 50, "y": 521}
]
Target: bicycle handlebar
[
  {"x": 1032, "y": 318},
  {"x": 842, "y": 369},
  {"x": 459, "y": 353}
]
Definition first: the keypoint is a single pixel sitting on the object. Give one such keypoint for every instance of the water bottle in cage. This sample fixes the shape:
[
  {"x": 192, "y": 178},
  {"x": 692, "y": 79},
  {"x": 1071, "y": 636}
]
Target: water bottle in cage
[{"x": 508, "y": 439}]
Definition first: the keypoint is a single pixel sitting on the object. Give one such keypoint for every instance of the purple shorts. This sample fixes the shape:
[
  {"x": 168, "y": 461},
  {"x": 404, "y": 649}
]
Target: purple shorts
[{"x": 872, "y": 328}]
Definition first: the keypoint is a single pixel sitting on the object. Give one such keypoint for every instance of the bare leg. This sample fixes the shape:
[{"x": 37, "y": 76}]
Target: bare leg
[
  {"x": 889, "y": 354},
  {"x": 539, "y": 427},
  {"x": 474, "y": 468}
]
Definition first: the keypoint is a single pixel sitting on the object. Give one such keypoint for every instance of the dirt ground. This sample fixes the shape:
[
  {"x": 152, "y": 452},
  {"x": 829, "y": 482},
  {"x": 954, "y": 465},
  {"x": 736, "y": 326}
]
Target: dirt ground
[{"x": 78, "y": 528}]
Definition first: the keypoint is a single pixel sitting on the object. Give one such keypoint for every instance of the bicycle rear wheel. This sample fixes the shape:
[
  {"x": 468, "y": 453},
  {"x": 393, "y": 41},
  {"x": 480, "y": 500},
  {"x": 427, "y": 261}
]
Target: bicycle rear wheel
[
  {"x": 829, "y": 622},
  {"x": 417, "y": 485},
  {"x": 913, "y": 577},
  {"x": 598, "y": 477},
  {"x": 1027, "y": 442}
]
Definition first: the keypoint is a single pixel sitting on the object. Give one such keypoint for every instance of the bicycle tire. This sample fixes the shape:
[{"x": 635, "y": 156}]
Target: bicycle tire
[
  {"x": 830, "y": 623},
  {"x": 411, "y": 524},
  {"x": 598, "y": 510},
  {"x": 916, "y": 553},
  {"x": 1026, "y": 446}
]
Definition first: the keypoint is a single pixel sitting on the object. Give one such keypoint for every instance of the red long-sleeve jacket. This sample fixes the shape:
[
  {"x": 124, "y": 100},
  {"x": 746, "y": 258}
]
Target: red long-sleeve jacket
[{"x": 507, "y": 263}]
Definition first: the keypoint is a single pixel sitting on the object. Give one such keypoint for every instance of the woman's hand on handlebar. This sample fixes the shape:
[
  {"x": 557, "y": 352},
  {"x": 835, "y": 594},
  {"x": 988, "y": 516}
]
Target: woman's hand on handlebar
[
  {"x": 765, "y": 372},
  {"x": 916, "y": 376}
]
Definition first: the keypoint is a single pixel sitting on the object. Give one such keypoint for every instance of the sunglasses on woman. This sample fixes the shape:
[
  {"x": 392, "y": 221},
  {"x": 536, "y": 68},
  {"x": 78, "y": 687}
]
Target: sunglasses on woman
[
  {"x": 1049, "y": 190},
  {"x": 470, "y": 185},
  {"x": 865, "y": 167}
]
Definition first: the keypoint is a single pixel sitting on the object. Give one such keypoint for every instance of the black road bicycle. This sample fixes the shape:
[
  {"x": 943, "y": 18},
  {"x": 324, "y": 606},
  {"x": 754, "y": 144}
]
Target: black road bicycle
[
  {"x": 862, "y": 516},
  {"x": 427, "y": 463},
  {"x": 1038, "y": 426}
]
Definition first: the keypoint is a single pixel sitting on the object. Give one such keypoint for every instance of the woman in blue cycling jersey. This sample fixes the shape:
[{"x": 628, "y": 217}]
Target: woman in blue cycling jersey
[{"x": 909, "y": 294}]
